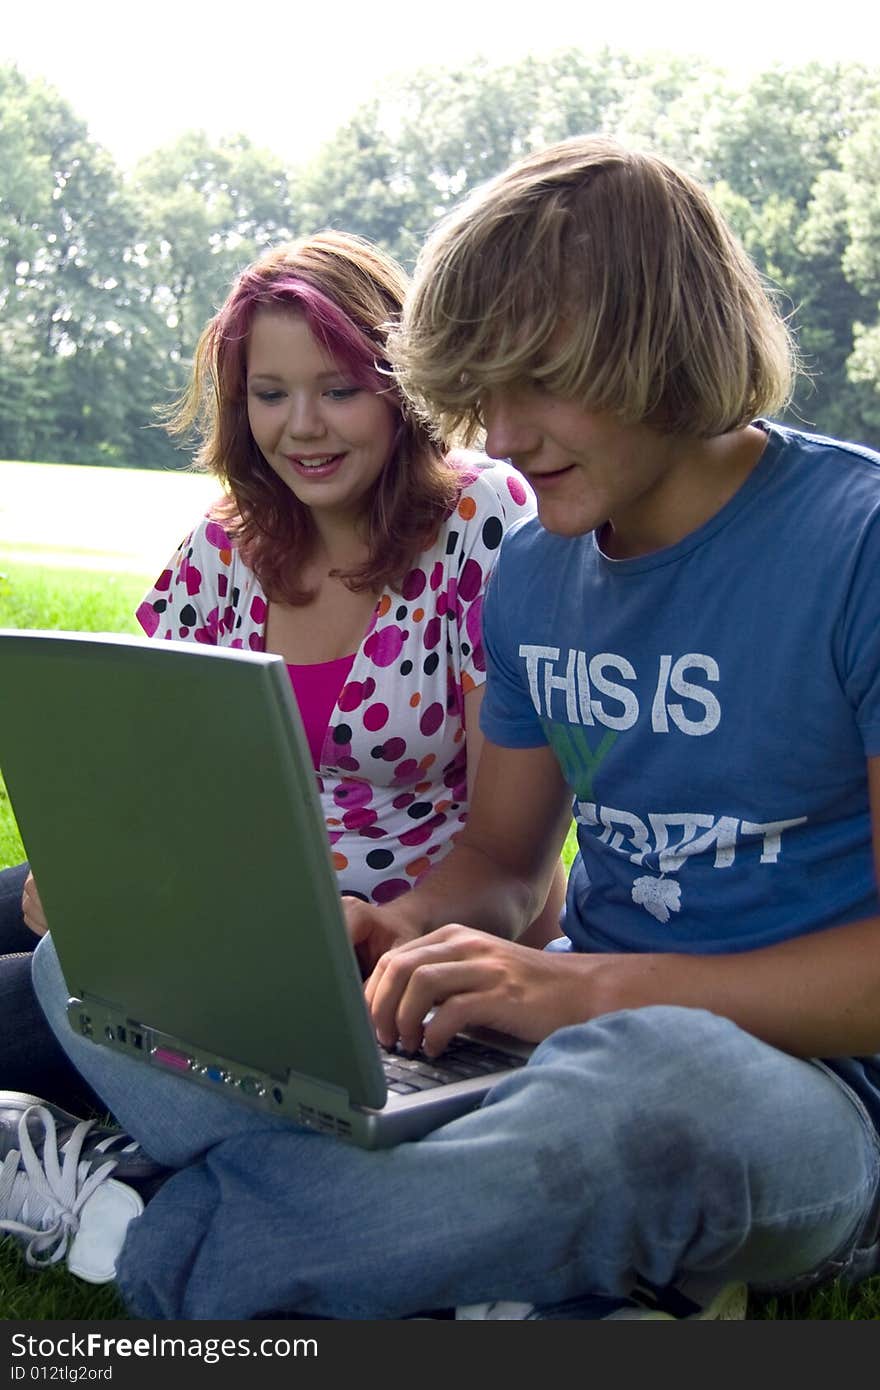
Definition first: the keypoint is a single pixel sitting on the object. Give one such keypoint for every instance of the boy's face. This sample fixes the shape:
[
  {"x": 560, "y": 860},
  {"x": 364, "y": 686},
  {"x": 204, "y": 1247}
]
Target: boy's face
[{"x": 587, "y": 468}]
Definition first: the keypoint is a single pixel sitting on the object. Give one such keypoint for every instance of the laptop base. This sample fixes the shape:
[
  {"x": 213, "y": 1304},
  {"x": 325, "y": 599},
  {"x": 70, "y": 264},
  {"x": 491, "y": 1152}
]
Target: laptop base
[{"x": 295, "y": 1098}]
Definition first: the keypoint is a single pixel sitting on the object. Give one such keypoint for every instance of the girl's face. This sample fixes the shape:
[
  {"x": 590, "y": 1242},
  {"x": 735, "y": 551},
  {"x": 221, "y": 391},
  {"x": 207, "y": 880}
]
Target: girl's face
[{"x": 325, "y": 437}]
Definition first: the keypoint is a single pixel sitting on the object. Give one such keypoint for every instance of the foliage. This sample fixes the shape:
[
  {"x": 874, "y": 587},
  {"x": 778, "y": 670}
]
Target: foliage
[
  {"x": 205, "y": 212},
  {"x": 106, "y": 280},
  {"x": 76, "y": 317}
]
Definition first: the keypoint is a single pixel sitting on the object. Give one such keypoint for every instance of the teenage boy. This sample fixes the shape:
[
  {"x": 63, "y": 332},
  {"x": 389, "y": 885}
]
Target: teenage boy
[{"x": 687, "y": 642}]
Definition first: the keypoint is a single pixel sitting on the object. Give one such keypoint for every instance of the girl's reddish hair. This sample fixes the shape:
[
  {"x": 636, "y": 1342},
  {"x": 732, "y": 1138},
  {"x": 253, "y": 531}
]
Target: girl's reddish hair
[{"x": 351, "y": 295}]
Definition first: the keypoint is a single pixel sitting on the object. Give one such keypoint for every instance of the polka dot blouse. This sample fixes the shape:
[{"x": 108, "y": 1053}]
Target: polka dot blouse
[{"x": 392, "y": 774}]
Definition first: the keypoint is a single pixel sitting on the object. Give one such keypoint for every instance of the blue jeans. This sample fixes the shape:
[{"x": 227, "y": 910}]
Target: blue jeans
[{"x": 651, "y": 1143}]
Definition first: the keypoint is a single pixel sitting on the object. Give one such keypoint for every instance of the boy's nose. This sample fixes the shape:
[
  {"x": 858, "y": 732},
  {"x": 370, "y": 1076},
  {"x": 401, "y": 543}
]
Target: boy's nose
[{"x": 509, "y": 432}]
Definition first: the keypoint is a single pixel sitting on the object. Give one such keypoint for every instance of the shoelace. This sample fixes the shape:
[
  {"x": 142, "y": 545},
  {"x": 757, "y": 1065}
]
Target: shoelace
[
  {"x": 103, "y": 1146},
  {"x": 48, "y": 1195}
]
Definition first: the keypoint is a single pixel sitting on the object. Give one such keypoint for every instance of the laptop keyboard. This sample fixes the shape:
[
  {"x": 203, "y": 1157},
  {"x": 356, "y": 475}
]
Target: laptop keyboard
[{"x": 464, "y": 1058}]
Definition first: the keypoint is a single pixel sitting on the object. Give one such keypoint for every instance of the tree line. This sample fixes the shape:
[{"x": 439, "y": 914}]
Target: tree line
[{"x": 106, "y": 278}]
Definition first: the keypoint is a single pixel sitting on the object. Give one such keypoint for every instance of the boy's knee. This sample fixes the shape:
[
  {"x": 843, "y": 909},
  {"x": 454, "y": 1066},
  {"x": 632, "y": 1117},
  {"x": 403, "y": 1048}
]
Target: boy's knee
[
  {"x": 658, "y": 1041},
  {"x": 661, "y": 1076}
]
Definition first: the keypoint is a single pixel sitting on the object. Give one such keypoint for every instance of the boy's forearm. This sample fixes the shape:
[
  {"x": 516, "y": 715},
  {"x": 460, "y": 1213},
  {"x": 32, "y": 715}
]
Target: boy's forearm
[
  {"x": 471, "y": 888},
  {"x": 813, "y": 996}
]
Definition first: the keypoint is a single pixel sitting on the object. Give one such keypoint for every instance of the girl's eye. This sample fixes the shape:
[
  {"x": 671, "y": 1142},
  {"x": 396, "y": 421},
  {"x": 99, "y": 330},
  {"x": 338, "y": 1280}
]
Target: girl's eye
[
  {"x": 342, "y": 393},
  {"x": 270, "y": 397}
]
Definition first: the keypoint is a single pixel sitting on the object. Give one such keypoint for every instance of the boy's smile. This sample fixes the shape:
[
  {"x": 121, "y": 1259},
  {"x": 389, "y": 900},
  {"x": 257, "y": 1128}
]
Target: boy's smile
[{"x": 641, "y": 489}]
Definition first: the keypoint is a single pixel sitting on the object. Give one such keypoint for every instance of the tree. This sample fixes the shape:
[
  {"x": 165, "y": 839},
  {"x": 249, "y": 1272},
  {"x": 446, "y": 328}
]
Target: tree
[
  {"x": 205, "y": 212},
  {"x": 106, "y": 282},
  {"x": 408, "y": 155},
  {"x": 74, "y": 305},
  {"x": 786, "y": 127},
  {"x": 844, "y": 221},
  {"x": 788, "y": 180},
  {"x": 359, "y": 183}
]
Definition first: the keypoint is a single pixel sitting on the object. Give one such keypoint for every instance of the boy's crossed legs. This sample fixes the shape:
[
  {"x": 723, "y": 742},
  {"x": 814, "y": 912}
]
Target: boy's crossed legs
[{"x": 646, "y": 1145}]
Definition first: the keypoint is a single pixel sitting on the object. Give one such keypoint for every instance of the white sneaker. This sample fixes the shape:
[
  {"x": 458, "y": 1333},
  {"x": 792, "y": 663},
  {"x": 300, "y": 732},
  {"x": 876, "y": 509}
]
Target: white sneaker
[
  {"x": 697, "y": 1299},
  {"x": 500, "y": 1310},
  {"x": 64, "y": 1208}
]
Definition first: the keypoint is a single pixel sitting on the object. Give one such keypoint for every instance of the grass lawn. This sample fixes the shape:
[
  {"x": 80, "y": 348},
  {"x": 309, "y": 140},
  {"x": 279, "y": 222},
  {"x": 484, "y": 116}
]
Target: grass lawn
[
  {"x": 102, "y": 599},
  {"x": 116, "y": 520}
]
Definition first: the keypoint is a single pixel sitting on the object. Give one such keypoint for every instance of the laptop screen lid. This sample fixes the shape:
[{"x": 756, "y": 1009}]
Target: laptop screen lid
[{"x": 167, "y": 802}]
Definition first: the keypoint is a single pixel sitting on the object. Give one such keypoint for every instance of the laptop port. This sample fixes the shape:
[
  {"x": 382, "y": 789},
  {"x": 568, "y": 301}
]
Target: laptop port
[
  {"x": 252, "y": 1086},
  {"x": 167, "y": 1057}
]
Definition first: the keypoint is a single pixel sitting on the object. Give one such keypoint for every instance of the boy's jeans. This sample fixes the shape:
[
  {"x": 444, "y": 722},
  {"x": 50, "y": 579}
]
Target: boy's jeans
[{"x": 649, "y": 1144}]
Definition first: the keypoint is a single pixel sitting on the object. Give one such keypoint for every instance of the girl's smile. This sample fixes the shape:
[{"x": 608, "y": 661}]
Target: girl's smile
[{"x": 325, "y": 436}]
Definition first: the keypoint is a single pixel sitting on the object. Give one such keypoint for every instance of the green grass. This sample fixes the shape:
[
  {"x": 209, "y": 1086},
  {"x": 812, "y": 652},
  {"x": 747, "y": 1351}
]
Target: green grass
[
  {"x": 120, "y": 520},
  {"x": 100, "y": 601},
  {"x": 32, "y": 1295},
  {"x": 70, "y": 599}
]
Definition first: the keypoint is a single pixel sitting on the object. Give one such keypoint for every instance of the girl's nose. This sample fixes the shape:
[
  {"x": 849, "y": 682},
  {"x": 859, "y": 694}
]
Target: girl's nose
[{"x": 304, "y": 418}]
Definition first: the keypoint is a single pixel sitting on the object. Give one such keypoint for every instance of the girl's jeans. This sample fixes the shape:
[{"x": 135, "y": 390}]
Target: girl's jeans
[
  {"x": 647, "y": 1144},
  {"x": 30, "y": 1058}
]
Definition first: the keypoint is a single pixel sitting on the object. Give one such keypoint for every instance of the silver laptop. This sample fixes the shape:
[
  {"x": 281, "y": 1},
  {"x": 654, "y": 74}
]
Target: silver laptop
[{"x": 167, "y": 803}]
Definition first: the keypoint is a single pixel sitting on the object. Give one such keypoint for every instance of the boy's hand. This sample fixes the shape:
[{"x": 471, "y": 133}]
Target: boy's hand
[
  {"x": 32, "y": 908},
  {"x": 467, "y": 978}
]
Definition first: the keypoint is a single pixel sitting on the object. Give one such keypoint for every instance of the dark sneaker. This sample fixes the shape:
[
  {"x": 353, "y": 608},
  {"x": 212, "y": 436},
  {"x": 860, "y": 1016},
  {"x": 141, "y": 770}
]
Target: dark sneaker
[
  {"x": 697, "y": 1299},
  {"x": 69, "y": 1206},
  {"x": 99, "y": 1142}
]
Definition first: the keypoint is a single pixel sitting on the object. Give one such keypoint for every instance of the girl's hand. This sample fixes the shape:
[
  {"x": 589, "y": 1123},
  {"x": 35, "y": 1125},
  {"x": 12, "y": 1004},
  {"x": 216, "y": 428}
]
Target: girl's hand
[
  {"x": 374, "y": 930},
  {"x": 32, "y": 908}
]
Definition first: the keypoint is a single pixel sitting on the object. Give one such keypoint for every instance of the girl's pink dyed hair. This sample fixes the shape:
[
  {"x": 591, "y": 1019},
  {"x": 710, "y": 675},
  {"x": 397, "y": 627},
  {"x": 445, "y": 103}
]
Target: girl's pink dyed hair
[
  {"x": 350, "y": 294},
  {"x": 338, "y": 335}
]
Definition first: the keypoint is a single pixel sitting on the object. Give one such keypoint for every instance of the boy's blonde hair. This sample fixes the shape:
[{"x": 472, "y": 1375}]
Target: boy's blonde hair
[{"x": 608, "y": 277}]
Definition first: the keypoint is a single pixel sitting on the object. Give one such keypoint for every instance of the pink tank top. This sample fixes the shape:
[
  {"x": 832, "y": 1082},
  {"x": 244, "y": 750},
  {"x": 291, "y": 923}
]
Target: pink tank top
[{"x": 317, "y": 688}]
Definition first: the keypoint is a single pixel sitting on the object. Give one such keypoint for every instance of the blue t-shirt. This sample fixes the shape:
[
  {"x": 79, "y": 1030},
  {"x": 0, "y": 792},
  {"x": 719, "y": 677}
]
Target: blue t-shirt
[{"x": 712, "y": 706}]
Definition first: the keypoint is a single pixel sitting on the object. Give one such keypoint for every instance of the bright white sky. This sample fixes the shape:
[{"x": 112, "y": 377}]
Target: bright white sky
[{"x": 288, "y": 74}]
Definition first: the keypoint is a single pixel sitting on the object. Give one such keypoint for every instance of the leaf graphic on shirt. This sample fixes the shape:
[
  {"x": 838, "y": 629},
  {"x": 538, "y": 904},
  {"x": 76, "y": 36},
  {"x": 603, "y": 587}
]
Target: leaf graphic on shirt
[{"x": 657, "y": 896}]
